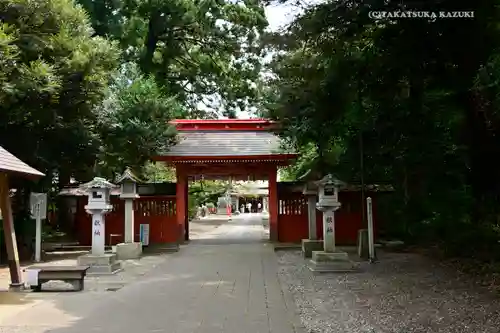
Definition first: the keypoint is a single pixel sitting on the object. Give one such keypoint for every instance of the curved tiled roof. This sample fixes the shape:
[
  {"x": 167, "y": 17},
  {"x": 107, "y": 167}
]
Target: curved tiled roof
[{"x": 226, "y": 143}]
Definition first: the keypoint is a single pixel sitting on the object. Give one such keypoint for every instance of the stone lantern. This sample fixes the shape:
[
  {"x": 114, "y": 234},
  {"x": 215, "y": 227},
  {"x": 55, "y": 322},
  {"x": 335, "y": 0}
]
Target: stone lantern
[
  {"x": 99, "y": 192},
  {"x": 330, "y": 259},
  {"x": 128, "y": 192}
]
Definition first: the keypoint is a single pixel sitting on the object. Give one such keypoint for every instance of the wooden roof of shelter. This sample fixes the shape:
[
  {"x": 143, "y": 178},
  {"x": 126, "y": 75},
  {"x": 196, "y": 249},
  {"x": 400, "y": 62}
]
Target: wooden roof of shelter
[
  {"x": 229, "y": 140},
  {"x": 12, "y": 165}
]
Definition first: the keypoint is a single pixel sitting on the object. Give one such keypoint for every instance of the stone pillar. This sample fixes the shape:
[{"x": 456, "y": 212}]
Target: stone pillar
[
  {"x": 311, "y": 210},
  {"x": 129, "y": 249},
  {"x": 129, "y": 221},
  {"x": 329, "y": 231},
  {"x": 98, "y": 233},
  {"x": 312, "y": 243},
  {"x": 265, "y": 204}
]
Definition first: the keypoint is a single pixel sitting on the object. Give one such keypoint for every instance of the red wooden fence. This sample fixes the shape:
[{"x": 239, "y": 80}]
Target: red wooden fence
[
  {"x": 157, "y": 211},
  {"x": 293, "y": 218}
]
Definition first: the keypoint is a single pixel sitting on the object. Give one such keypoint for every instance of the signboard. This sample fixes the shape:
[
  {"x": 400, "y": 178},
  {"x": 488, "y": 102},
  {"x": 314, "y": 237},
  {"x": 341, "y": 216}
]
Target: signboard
[
  {"x": 32, "y": 276},
  {"x": 144, "y": 234},
  {"x": 38, "y": 204}
]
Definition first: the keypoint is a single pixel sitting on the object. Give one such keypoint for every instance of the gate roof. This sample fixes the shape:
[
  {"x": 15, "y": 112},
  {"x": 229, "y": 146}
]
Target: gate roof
[{"x": 227, "y": 140}]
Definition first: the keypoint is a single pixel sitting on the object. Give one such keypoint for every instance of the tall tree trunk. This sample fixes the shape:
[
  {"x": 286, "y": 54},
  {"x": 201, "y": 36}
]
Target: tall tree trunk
[{"x": 484, "y": 175}]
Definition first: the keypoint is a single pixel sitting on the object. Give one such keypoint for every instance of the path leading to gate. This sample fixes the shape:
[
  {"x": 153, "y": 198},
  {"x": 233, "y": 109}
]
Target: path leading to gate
[
  {"x": 239, "y": 229},
  {"x": 211, "y": 285}
]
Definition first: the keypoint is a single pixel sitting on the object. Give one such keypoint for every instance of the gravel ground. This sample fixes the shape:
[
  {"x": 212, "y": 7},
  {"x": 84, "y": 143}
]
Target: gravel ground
[{"x": 402, "y": 293}]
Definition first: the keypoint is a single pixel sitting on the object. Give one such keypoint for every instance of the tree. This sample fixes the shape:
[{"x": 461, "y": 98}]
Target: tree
[
  {"x": 417, "y": 95},
  {"x": 201, "y": 51},
  {"x": 53, "y": 74},
  {"x": 158, "y": 173},
  {"x": 60, "y": 73},
  {"x": 134, "y": 122}
]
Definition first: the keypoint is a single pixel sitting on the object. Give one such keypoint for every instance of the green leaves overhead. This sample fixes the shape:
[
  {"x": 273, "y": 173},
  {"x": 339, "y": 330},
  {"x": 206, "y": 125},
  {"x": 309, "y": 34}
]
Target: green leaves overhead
[
  {"x": 53, "y": 73},
  {"x": 415, "y": 97},
  {"x": 90, "y": 86},
  {"x": 134, "y": 122},
  {"x": 194, "y": 49}
]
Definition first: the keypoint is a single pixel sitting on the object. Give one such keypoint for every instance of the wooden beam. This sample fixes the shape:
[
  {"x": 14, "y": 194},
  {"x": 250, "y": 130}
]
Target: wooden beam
[
  {"x": 9, "y": 232},
  {"x": 228, "y": 169},
  {"x": 280, "y": 159}
]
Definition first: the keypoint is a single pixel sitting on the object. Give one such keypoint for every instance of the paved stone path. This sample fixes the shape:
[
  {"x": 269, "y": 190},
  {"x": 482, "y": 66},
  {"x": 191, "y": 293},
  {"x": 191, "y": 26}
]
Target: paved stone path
[
  {"x": 244, "y": 228},
  {"x": 224, "y": 281}
]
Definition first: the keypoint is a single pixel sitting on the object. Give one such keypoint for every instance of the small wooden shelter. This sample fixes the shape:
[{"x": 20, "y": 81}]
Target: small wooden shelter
[{"x": 12, "y": 166}]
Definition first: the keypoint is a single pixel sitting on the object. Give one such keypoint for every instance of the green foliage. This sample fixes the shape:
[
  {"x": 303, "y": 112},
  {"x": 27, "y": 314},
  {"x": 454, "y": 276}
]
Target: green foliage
[
  {"x": 308, "y": 157},
  {"x": 78, "y": 113},
  {"x": 88, "y": 87},
  {"x": 207, "y": 191},
  {"x": 416, "y": 97},
  {"x": 133, "y": 122},
  {"x": 53, "y": 73},
  {"x": 204, "y": 193},
  {"x": 158, "y": 173},
  {"x": 198, "y": 50}
]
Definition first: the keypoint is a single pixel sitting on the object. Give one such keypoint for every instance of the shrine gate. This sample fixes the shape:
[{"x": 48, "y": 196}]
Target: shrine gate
[
  {"x": 219, "y": 149},
  {"x": 240, "y": 149}
]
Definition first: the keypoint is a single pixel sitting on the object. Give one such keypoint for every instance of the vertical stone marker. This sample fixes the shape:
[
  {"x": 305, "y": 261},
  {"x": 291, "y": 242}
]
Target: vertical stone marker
[
  {"x": 98, "y": 234},
  {"x": 312, "y": 243},
  {"x": 129, "y": 249},
  {"x": 330, "y": 259},
  {"x": 100, "y": 262}
]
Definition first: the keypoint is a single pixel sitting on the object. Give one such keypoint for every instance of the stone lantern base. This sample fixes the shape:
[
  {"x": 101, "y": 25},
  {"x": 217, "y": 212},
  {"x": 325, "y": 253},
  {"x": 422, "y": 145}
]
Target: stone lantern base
[
  {"x": 100, "y": 264},
  {"x": 125, "y": 251},
  {"x": 310, "y": 245},
  {"x": 331, "y": 262}
]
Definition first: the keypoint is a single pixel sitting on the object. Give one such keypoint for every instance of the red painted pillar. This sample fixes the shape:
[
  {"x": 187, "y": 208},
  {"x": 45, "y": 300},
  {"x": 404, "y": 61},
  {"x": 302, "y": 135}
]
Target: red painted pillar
[
  {"x": 186, "y": 209},
  {"x": 273, "y": 206},
  {"x": 181, "y": 203}
]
